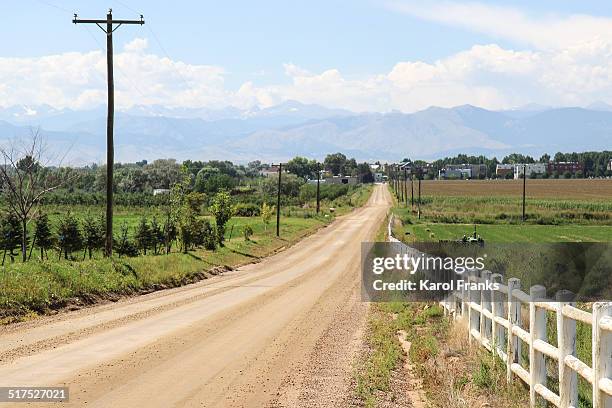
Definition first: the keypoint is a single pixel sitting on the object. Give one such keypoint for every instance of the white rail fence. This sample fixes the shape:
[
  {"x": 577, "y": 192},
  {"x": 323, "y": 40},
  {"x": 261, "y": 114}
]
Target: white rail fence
[{"x": 494, "y": 321}]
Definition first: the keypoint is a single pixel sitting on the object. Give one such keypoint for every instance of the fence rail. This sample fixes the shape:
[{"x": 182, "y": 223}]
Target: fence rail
[{"x": 494, "y": 321}]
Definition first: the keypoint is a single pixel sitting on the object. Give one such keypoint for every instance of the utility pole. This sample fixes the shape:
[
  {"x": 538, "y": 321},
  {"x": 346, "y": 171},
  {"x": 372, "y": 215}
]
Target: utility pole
[
  {"x": 110, "y": 150},
  {"x": 406, "y": 185},
  {"x": 411, "y": 189},
  {"x": 524, "y": 181},
  {"x": 318, "y": 181},
  {"x": 280, "y": 169},
  {"x": 419, "y": 205}
]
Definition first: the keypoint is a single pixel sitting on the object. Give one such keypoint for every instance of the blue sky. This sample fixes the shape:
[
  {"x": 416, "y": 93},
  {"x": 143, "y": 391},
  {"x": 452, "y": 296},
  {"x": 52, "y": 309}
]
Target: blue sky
[{"x": 359, "y": 45}]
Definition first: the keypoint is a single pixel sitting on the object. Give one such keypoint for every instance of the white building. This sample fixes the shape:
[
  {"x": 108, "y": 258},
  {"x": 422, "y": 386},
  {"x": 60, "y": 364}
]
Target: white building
[
  {"x": 530, "y": 168},
  {"x": 158, "y": 191}
]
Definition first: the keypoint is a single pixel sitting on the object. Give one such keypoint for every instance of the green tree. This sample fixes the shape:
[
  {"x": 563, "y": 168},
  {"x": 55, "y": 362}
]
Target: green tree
[
  {"x": 170, "y": 232},
  {"x": 69, "y": 237},
  {"x": 221, "y": 208},
  {"x": 195, "y": 201},
  {"x": 11, "y": 235},
  {"x": 157, "y": 233},
  {"x": 144, "y": 235},
  {"x": 43, "y": 237},
  {"x": 248, "y": 232},
  {"x": 94, "y": 232},
  {"x": 335, "y": 163},
  {"x": 209, "y": 236},
  {"x": 266, "y": 214},
  {"x": 124, "y": 246},
  {"x": 302, "y": 167}
]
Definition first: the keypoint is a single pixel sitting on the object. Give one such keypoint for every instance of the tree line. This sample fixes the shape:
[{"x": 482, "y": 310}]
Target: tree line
[{"x": 595, "y": 163}]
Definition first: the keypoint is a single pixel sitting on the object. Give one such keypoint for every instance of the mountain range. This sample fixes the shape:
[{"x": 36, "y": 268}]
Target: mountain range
[{"x": 292, "y": 128}]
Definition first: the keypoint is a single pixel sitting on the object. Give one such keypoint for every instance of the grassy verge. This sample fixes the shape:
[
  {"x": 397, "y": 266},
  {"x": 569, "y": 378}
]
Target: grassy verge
[
  {"x": 40, "y": 286},
  {"x": 453, "y": 373},
  {"x": 383, "y": 356}
]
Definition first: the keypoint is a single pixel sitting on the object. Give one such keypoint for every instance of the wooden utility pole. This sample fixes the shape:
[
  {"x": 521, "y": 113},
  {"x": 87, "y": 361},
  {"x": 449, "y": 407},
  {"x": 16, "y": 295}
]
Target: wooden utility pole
[
  {"x": 419, "y": 205},
  {"x": 280, "y": 169},
  {"x": 318, "y": 181},
  {"x": 524, "y": 181},
  {"x": 110, "y": 150},
  {"x": 406, "y": 186},
  {"x": 411, "y": 189}
]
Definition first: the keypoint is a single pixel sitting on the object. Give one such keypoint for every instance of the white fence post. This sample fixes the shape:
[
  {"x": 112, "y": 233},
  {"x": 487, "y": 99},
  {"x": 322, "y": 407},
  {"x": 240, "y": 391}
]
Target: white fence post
[
  {"x": 472, "y": 314},
  {"x": 566, "y": 342},
  {"x": 485, "y": 304},
  {"x": 513, "y": 347},
  {"x": 497, "y": 309},
  {"x": 602, "y": 355},
  {"x": 537, "y": 331}
]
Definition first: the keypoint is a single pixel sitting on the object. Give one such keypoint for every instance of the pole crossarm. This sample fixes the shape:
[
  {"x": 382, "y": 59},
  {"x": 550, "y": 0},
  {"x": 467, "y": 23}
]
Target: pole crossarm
[{"x": 84, "y": 21}]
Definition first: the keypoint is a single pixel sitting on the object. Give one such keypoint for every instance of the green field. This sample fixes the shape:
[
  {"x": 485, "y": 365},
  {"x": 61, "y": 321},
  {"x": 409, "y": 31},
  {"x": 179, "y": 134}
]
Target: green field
[{"x": 507, "y": 233}]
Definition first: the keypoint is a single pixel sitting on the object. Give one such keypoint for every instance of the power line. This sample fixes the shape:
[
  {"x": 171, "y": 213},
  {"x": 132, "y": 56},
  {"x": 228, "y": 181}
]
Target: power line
[{"x": 54, "y": 6}]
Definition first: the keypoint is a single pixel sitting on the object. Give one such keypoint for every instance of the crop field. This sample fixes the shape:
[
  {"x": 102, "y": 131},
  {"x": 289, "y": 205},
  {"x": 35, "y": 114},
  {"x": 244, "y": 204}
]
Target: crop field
[
  {"x": 557, "y": 210},
  {"x": 575, "y": 189}
]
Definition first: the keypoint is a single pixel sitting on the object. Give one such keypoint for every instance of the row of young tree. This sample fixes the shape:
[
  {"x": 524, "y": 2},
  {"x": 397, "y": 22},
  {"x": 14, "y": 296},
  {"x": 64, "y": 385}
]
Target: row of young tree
[{"x": 185, "y": 226}]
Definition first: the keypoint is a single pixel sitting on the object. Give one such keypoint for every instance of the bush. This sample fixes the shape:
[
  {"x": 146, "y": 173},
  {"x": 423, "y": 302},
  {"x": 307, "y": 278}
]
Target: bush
[
  {"x": 247, "y": 210},
  {"x": 209, "y": 236},
  {"x": 144, "y": 235},
  {"x": 221, "y": 209},
  {"x": 69, "y": 238},
  {"x": 248, "y": 232},
  {"x": 94, "y": 232},
  {"x": 124, "y": 246}
]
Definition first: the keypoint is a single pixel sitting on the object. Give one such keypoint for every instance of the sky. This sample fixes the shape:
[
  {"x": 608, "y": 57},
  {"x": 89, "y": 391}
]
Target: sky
[{"x": 361, "y": 55}]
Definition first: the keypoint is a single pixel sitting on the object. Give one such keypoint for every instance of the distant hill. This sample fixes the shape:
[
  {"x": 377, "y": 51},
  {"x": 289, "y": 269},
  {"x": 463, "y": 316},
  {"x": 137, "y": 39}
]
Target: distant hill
[{"x": 292, "y": 128}]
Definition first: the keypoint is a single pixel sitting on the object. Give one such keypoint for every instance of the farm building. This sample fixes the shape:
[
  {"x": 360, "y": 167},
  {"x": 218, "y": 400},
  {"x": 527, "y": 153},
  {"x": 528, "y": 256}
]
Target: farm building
[
  {"x": 562, "y": 167},
  {"x": 270, "y": 171},
  {"x": 530, "y": 168},
  {"x": 463, "y": 171},
  {"x": 342, "y": 180},
  {"x": 502, "y": 170},
  {"x": 455, "y": 173},
  {"x": 379, "y": 177}
]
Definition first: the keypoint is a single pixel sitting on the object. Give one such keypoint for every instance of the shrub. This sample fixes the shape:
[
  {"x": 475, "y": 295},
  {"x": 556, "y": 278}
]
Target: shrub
[
  {"x": 43, "y": 237},
  {"x": 10, "y": 236},
  {"x": 266, "y": 214},
  {"x": 124, "y": 246},
  {"x": 144, "y": 236},
  {"x": 221, "y": 209},
  {"x": 247, "y": 210},
  {"x": 94, "y": 232},
  {"x": 209, "y": 236},
  {"x": 248, "y": 232},
  {"x": 69, "y": 237}
]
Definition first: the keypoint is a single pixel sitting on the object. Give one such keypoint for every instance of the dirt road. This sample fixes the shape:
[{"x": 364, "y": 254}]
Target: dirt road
[{"x": 280, "y": 333}]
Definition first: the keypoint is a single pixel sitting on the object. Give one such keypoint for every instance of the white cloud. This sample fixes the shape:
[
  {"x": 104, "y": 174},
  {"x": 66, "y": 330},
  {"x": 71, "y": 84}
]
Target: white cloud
[
  {"x": 548, "y": 31},
  {"x": 78, "y": 80},
  {"x": 484, "y": 75}
]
